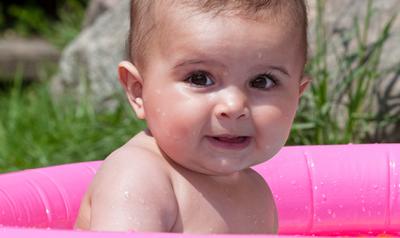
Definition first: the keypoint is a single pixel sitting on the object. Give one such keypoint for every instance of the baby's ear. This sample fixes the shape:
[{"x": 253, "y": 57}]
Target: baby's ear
[
  {"x": 132, "y": 82},
  {"x": 304, "y": 82}
]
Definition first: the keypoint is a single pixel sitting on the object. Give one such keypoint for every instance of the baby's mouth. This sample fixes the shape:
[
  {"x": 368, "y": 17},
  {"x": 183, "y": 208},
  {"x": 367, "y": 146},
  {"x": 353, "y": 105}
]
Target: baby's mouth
[{"x": 229, "y": 141}]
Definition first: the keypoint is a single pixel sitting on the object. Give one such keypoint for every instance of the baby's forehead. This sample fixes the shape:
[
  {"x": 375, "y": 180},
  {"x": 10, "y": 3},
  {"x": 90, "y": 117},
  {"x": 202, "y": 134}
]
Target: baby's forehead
[{"x": 152, "y": 18}]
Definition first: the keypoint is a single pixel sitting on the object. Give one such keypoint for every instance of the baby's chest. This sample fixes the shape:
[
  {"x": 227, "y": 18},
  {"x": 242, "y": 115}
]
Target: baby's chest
[{"x": 209, "y": 209}]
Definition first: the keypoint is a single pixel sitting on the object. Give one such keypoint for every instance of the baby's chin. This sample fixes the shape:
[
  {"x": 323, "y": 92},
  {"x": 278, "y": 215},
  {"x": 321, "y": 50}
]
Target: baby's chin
[{"x": 220, "y": 167}]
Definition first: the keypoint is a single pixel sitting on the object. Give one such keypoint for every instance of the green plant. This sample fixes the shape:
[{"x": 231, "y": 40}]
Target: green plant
[
  {"x": 64, "y": 30},
  {"x": 36, "y": 130},
  {"x": 29, "y": 19},
  {"x": 335, "y": 109}
]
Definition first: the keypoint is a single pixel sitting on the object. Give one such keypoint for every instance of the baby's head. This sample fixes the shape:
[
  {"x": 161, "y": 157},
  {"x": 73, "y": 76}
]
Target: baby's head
[
  {"x": 218, "y": 81},
  {"x": 148, "y": 18}
]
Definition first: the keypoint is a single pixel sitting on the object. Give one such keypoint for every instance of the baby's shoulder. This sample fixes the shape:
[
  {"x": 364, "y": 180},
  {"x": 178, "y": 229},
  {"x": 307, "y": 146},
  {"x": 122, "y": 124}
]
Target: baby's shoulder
[
  {"x": 128, "y": 179},
  {"x": 132, "y": 161}
]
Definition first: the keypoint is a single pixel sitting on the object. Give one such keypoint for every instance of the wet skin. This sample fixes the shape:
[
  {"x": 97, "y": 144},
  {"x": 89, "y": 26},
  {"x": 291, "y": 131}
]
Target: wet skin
[{"x": 219, "y": 95}]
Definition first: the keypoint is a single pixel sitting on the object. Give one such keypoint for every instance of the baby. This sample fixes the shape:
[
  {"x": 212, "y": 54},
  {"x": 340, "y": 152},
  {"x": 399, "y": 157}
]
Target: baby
[{"x": 218, "y": 83}]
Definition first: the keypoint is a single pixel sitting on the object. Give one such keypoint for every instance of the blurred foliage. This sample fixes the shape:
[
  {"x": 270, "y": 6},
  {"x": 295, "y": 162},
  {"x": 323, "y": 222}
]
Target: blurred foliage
[
  {"x": 57, "y": 21},
  {"x": 37, "y": 130},
  {"x": 337, "y": 107}
]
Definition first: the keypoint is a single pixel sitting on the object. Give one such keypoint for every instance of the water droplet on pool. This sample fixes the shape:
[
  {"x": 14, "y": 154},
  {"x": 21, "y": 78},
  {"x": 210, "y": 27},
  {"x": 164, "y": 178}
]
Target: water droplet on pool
[
  {"x": 315, "y": 187},
  {"x": 324, "y": 197}
]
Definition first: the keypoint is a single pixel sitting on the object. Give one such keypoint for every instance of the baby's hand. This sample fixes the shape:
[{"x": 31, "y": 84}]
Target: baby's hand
[{"x": 132, "y": 191}]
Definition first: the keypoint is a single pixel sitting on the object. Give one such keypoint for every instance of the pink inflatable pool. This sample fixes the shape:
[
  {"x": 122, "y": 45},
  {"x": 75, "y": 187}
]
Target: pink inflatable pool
[{"x": 348, "y": 190}]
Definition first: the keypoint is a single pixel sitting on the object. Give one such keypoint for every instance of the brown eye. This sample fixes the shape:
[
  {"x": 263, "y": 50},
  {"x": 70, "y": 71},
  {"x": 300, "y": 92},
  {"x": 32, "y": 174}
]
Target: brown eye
[
  {"x": 200, "y": 79},
  {"x": 263, "y": 81}
]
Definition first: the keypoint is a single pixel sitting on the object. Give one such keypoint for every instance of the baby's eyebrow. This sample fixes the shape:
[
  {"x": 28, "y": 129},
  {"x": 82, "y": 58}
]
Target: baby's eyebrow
[
  {"x": 280, "y": 69},
  {"x": 199, "y": 61}
]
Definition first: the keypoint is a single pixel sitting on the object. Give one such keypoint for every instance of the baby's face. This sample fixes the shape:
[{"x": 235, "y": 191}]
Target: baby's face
[{"x": 220, "y": 93}]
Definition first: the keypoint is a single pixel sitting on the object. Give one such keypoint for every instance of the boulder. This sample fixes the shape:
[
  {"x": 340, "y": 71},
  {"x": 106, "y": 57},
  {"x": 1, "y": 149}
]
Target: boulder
[
  {"x": 89, "y": 63},
  {"x": 97, "y": 8}
]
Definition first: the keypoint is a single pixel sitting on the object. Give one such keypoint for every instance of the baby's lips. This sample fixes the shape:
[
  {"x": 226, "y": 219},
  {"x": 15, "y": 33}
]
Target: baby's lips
[{"x": 231, "y": 138}]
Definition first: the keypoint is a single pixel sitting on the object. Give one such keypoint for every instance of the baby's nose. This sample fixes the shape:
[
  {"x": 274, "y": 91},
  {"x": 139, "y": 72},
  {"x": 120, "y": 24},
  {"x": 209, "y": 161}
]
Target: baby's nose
[{"x": 233, "y": 105}]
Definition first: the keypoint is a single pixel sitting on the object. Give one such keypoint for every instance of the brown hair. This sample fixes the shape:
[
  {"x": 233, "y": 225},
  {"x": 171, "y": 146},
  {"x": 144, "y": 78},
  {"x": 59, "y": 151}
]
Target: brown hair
[{"x": 143, "y": 17}]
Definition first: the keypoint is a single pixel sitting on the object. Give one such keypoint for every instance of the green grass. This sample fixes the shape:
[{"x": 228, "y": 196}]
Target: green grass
[
  {"x": 337, "y": 107},
  {"x": 30, "y": 20},
  {"x": 36, "y": 130}
]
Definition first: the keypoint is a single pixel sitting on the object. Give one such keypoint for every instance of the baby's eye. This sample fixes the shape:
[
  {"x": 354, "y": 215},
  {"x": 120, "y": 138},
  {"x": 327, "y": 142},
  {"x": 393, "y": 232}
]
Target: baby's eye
[
  {"x": 264, "y": 81},
  {"x": 200, "y": 79}
]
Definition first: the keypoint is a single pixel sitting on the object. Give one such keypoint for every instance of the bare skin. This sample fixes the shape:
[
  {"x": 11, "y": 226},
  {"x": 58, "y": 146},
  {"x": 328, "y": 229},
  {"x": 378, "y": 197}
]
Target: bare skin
[
  {"x": 219, "y": 95},
  {"x": 191, "y": 202}
]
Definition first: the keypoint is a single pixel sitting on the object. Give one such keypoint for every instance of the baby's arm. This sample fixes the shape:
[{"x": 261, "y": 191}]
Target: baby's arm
[{"x": 133, "y": 192}]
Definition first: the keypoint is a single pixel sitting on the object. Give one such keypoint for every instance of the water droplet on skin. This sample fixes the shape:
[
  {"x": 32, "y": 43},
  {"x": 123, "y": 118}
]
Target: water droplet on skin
[
  {"x": 259, "y": 55},
  {"x": 375, "y": 186},
  {"x": 363, "y": 209},
  {"x": 315, "y": 187},
  {"x": 340, "y": 206},
  {"x": 47, "y": 211},
  {"x": 126, "y": 195},
  {"x": 293, "y": 182},
  {"x": 329, "y": 211}
]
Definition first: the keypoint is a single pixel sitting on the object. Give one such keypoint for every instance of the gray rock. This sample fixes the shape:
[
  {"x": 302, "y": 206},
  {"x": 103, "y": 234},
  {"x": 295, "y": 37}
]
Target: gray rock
[
  {"x": 97, "y": 8},
  {"x": 89, "y": 63}
]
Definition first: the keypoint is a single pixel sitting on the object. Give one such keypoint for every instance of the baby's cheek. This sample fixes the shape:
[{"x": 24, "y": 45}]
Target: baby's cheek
[{"x": 273, "y": 125}]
